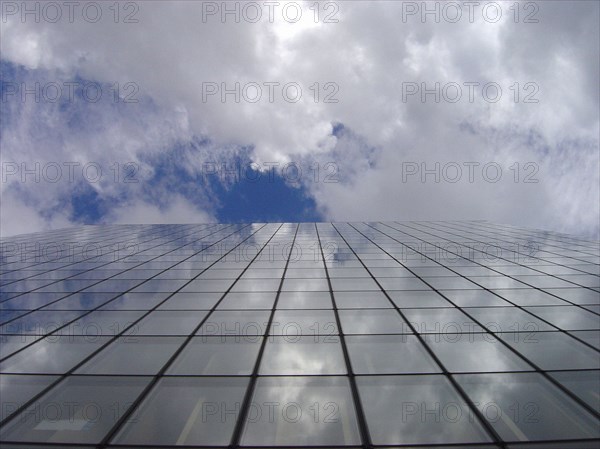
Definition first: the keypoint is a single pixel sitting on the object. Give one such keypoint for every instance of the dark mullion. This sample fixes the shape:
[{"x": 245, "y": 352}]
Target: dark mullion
[
  {"x": 239, "y": 425},
  {"x": 62, "y": 376},
  {"x": 505, "y": 344},
  {"x": 484, "y": 423},
  {"x": 360, "y": 414},
  {"x": 123, "y": 419}
]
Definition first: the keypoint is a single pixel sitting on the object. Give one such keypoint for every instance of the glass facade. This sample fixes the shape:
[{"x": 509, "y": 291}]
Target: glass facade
[{"x": 383, "y": 334}]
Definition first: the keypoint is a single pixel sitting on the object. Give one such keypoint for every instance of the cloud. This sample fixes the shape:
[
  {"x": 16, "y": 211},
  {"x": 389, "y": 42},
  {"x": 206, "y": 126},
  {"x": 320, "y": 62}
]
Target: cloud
[{"x": 368, "y": 56}]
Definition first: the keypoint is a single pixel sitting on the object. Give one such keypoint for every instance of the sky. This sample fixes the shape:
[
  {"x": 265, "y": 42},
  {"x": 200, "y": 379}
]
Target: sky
[{"x": 194, "y": 112}]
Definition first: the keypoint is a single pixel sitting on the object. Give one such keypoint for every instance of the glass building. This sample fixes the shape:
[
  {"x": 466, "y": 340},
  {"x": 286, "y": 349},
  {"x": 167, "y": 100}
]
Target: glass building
[{"x": 395, "y": 334}]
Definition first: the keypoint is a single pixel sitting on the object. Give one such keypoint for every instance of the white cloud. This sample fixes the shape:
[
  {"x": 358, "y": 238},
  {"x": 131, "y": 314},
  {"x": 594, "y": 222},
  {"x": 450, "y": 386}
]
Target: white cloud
[{"x": 369, "y": 53}]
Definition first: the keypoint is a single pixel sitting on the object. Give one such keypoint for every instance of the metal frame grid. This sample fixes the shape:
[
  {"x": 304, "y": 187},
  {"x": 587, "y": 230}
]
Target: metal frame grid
[{"x": 383, "y": 334}]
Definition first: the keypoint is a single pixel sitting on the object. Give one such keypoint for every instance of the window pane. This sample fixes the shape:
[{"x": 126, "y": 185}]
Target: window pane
[
  {"x": 135, "y": 301},
  {"x": 303, "y": 355},
  {"x": 525, "y": 406},
  {"x": 52, "y": 355},
  {"x": 553, "y": 350},
  {"x": 361, "y": 300},
  {"x": 237, "y": 301},
  {"x": 447, "y": 320},
  {"x": 474, "y": 298},
  {"x": 133, "y": 355},
  {"x": 474, "y": 353},
  {"x": 417, "y": 410},
  {"x": 585, "y": 384},
  {"x": 354, "y": 284},
  {"x": 372, "y": 321},
  {"x": 184, "y": 410},
  {"x": 590, "y": 337},
  {"x": 295, "y": 285},
  {"x": 241, "y": 323},
  {"x": 217, "y": 356},
  {"x": 169, "y": 323},
  {"x": 414, "y": 299},
  {"x": 568, "y": 317},
  {"x": 576, "y": 295},
  {"x": 41, "y": 322},
  {"x": 304, "y": 300},
  {"x": 191, "y": 301},
  {"x": 303, "y": 322},
  {"x": 529, "y": 297},
  {"x": 78, "y": 410},
  {"x": 309, "y": 411},
  {"x": 389, "y": 354},
  {"x": 508, "y": 319},
  {"x": 15, "y": 390}
]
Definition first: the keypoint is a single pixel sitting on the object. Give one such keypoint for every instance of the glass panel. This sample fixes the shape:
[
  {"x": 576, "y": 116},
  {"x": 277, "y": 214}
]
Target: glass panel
[
  {"x": 301, "y": 411},
  {"x": 354, "y": 284},
  {"x": 217, "y": 356},
  {"x": 568, "y": 317},
  {"x": 529, "y": 297},
  {"x": 304, "y": 300},
  {"x": 135, "y": 301},
  {"x": 446, "y": 321},
  {"x": 256, "y": 285},
  {"x": 417, "y": 410},
  {"x": 191, "y": 301},
  {"x": 553, "y": 350},
  {"x": 132, "y": 355},
  {"x": 590, "y": 337},
  {"x": 208, "y": 285},
  {"x": 584, "y": 384},
  {"x": 305, "y": 285},
  {"x": 237, "y": 301},
  {"x": 16, "y": 390},
  {"x": 41, "y": 322},
  {"x": 81, "y": 301},
  {"x": 303, "y": 322},
  {"x": 303, "y": 355},
  {"x": 240, "y": 323},
  {"x": 372, "y": 321},
  {"x": 418, "y": 299},
  {"x": 474, "y": 298},
  {"x": 450, "y": 282},
  {"x": 361, "y": 300},
  {"x": 525, "y": 407},
  {"x": 389, "y": 354},
  {"x": 576, "y": 295},
  {"x": 187, "y": 411},
  {"x": 52, "y": 355},
  {"x": 8, "y": 315},
  {"x": 508, "y": 319},
  {"x": 169, "y": 323},
  {"x": 474, "y": 353},
  {"x": 30, "y": 301},
  {"x": 103, "y": 322},
  {"x": 9, "y": 344},
  {"x": 78, "y": 410}
]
